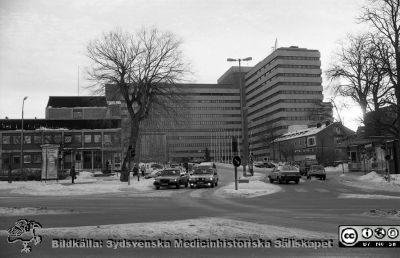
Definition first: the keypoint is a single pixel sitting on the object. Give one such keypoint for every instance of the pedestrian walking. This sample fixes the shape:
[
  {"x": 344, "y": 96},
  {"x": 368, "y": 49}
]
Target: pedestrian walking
[
  {"x": 142, "y": 169},
  {"x": 72, "y": 173},
  {"x": 136, "y": 171},
  {"x": 107, "y": 167}
]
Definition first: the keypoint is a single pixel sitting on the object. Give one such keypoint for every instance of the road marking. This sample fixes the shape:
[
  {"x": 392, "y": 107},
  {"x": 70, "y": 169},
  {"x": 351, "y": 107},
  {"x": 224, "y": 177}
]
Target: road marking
[
  {"x": 197, "y": 193},
  {"x": 300, "y": 190},
  {"x": 322, "y": 190}
]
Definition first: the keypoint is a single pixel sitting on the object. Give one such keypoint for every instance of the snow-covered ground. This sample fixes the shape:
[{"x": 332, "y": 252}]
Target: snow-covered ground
[
  {"x": 255, "y": 187},
  {"x": 85, "y": 184},
  {"x": 367, "y": 196},
  {"x": 371, "y": 181},
  {"x": 251, "y": 189},
  {"x": 30, "y": 211},
  {"x": 204, "y": 228}
]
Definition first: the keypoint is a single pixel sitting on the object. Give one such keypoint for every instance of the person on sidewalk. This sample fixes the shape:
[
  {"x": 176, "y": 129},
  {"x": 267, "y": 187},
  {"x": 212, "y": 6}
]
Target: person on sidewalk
[
  {"x": 72, "y": 173},
  {"x": 136, "y": 171}
]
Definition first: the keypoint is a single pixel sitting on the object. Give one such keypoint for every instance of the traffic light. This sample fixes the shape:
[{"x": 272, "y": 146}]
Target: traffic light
[
  {"x": 234, "y": 145},
  {"x": 131, "y": 151}
]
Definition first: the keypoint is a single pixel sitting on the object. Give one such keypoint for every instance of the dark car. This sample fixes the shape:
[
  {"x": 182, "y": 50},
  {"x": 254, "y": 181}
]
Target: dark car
[
  {"x": 156, "y": 166},
  {"x": 269, "y": 165},
  {"x": 285, "y": 173},
  {"x": 204, "y": 176},
  {"x": 305, "y": 165},
  {"x": 317, "y": 171},
  {"x": 171, "y": 176}
]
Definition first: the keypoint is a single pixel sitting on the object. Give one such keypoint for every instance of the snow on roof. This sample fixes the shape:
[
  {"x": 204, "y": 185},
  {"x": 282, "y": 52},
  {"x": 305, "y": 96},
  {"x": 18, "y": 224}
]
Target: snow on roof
[{"x": 301, "y": 133}]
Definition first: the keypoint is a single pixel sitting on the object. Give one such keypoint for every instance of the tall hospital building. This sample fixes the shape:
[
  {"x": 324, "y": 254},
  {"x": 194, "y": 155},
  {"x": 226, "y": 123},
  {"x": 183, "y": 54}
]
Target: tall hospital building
[{"x": 283, "y": 92}]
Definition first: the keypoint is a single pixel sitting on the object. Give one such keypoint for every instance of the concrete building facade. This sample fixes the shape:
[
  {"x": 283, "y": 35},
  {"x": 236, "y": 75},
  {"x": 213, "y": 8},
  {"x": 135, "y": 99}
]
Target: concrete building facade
[
  {"x": 208, "y": 119},
  {"x": 283, "y": 90}
]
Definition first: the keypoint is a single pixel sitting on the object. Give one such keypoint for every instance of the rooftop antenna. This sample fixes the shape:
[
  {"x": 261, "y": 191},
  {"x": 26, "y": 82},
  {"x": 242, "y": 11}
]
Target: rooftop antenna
[{"x": 275, "y": 46}]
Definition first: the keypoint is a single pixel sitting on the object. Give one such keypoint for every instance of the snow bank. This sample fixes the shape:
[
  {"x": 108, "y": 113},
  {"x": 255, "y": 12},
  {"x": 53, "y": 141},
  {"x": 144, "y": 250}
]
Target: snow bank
[
  {"x": 57, "y": 189},
  {"x": 372, "y": 181},
  {"x": 85, "y": 184},
  {"x": 29, "y": 211},
  {"x": 248, "y": 190},
  {"x": 203, "y": 228},
  {"x": 372, "y": 177},
  {"x": 367, "y": 196}
]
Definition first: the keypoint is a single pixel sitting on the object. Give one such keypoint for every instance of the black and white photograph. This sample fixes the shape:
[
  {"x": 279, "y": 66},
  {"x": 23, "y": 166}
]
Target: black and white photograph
[{"x": 199, "y": 128}]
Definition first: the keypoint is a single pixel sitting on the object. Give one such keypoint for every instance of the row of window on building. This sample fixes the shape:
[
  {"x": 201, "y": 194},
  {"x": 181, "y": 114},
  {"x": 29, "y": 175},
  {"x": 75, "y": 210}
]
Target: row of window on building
[
  {"x": 266, "y": 66},
  {"x": 286, "y": 92},
  {"x": 262, "y": 108},
  {"x": 189, "y": 123},
  {"x": 278, "y": 75},
  {"x": 109, "y": 139},
  {"x": 284, "y": 66},
  {"x": 29, "y": 158},
  {"x": 278, "y": 84}
]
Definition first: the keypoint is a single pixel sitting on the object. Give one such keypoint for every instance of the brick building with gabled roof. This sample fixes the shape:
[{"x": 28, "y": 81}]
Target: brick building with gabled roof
[{"x": 322, "y": 143}]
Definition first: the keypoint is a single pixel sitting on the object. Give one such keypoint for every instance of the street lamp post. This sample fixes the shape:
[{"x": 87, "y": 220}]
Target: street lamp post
[
  {"x": 21, "y": 164},
  {"x": 243, "y": 110}
]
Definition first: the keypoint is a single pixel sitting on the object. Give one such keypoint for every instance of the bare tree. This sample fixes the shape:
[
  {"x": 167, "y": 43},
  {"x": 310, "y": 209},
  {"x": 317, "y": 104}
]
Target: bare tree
[
  {"x": 337, "y": 108},
  {"x": 144, "y": 68},
  {"x": 360, "y": 75},
  {"x": 384, "y": 17}
]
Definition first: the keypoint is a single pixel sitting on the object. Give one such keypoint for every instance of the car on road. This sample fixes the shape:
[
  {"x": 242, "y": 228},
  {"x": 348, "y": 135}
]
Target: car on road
[
  {"x": 259, "y": 164},
  {"x": 171, "y": 177},
  {"x": 305, "y": 165},
  {"x": 317, "y": 171},
  {"x": 204, "y": 176},
  {"x": 207, "y": 164},
  {"x": 285, "y": 173},
  {"x": 153, "y": 174}
]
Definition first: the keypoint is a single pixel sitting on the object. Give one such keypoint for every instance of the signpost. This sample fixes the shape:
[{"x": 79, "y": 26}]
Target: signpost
[
  {"x": 251, "y": 160},
  {"x": 364, "y": 156},
  {"x": 236, "y": 162}
]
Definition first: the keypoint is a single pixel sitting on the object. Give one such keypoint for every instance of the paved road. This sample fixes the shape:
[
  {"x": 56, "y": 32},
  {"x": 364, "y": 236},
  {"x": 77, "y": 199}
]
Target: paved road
[{"x": 311, "y": 205}]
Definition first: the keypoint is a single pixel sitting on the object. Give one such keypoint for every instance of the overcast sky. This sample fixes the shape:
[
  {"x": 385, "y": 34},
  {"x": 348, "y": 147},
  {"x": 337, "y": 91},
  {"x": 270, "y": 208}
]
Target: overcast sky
[{"x": 42, "y": 42}]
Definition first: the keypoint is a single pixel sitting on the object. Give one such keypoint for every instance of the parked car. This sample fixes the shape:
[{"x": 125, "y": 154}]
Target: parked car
[
  {"x": 204, "y": 176},
  {"x": 171, "y": 176},
  {"x": 285, "y": 173},
  {"x": 317, "y": 171}
]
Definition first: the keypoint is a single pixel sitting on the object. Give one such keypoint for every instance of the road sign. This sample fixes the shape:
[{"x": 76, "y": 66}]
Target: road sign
[
  {"x": 236, "y": 161},
  {"x": 251, "y": 157}
]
